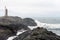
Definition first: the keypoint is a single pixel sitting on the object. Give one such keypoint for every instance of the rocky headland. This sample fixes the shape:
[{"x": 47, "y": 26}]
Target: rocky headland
[{"x": 10, "y": 25}]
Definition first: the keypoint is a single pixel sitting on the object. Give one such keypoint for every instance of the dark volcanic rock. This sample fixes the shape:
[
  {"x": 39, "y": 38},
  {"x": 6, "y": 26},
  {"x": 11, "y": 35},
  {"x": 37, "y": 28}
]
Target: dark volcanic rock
[
  {"x": 5, "y": 33},
  {"x": 22, "y": 36},
  {"x": 10, "y": 30},
  {"x": 29, "y": 22},
  {"x": 15, "y": 23},
  {"x": 7, "y": 26},
  {"x": 38, "y": 34},
  {"x": 14, "y": 27},
  {"x": 18, "y": 26},
  {"x": 10, "y": 25},
  {"x": 10, "y": 20}
]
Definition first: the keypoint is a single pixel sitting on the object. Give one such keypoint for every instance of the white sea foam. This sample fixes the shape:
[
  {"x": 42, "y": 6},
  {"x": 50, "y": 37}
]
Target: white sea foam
[
  {"x": 39, "y": 24},
  {"x": 18, "y": 32},
  {"x": 45, "y": 25},
  {"x": 11, "y": 38}
]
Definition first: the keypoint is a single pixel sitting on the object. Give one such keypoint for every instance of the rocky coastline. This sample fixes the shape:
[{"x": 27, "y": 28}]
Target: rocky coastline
[{"x": 10, "y": 25}]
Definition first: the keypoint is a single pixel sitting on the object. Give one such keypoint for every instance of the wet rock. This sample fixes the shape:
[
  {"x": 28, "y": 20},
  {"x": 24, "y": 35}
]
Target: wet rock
[
  {"x": 22, "y": 36},
  {"x": 14, "y": 27},
  {"x": 38, "y": 34},
  {"x": 10, "y": 30},
  {"x": 18, "y": 26},
  {"x": 5, "y": 33}
]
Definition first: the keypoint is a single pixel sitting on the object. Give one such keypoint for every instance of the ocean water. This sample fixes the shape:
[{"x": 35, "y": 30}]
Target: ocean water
[
  {"x": 50, "y": 23},
  {"x": 55, "y": 31},
  {"x": 55, "y": 28}
]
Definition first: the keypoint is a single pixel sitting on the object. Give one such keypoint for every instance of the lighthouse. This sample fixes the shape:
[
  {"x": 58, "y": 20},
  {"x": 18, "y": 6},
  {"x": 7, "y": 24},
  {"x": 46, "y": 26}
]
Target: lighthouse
[{"x": 6, "y": 12}]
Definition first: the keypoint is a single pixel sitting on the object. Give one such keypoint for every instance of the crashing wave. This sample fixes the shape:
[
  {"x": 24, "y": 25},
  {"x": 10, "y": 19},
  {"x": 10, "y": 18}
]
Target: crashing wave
[
  {"x": 51, "y": 27},
  {"x": 45, "y": 25}
]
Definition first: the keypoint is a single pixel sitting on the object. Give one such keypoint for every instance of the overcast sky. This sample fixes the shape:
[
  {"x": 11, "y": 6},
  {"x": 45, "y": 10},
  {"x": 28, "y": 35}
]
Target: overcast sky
[{"x": 31, "y": 8}]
